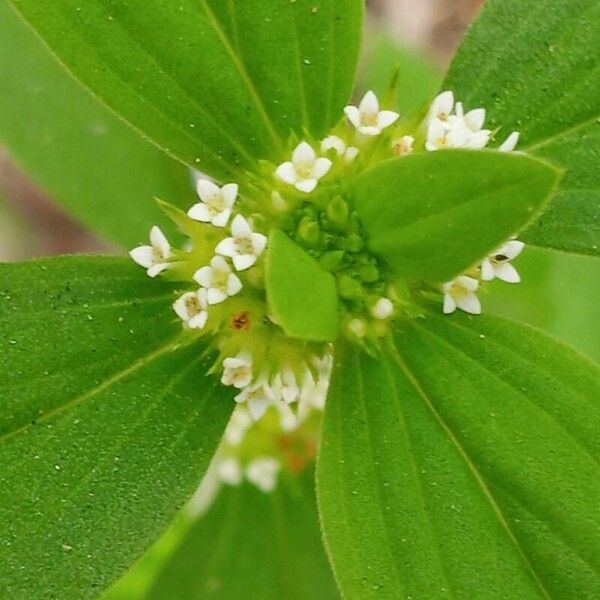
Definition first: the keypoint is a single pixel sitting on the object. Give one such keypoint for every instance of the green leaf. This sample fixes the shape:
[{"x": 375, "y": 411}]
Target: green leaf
[
  {"x": 433, "y": 215},
  {"x": 217, "y": 84},
  {"x": 464, "y": 464},
  {"x": 418, "y": 81},
  {"x": 532, "y": 64},
  {"x": 301, "y": 295},
  {"x": 107, "y": 422},
  {"x": 269, "y": 547},
  {"x": 96, "y": 167}
]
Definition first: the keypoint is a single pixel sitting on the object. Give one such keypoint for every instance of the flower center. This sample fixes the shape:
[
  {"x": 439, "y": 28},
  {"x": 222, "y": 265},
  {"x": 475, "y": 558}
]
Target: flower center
[{"x": 244, "y": 246}]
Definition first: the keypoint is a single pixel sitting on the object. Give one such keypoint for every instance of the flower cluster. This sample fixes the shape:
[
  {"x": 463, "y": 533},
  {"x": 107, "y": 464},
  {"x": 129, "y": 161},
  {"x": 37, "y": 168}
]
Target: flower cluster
[
  {"x": 282, "y": 380},
  {"x": 448, "y": 126}
]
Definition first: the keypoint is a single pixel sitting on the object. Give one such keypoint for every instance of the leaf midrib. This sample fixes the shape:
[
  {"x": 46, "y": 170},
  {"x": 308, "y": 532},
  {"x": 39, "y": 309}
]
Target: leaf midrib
[
  {"x": 107, "y": 383},
  {"x": 471, "y": 466}
]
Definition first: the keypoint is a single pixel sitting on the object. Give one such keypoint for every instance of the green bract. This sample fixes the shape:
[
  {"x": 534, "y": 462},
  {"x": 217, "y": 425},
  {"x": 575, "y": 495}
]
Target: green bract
[{"x": 459, "y": 453}]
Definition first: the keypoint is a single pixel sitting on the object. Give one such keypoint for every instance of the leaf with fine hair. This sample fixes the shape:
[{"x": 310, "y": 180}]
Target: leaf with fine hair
[
  {"x": 433, "y": 215},
  {"x": 216, "y": 84},
  {"x": 107, "y": 421},
  {"x": 91, "y": 163},
  {"x": 463, "y": 464},
  {"x": 533, "y": 65}
]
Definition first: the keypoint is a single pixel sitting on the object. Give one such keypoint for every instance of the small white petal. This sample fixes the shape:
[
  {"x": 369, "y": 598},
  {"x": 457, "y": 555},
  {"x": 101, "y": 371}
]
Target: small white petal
[
  {"x": 510, "y": 143},
  {"x": 216, "y": 296},
  {"x": 200, "y": 212},
  {"x": 507, "y": 273},
  {"x": 218, "y": 263},
  {"x": 160, "y": 242},
  {"x": 383, "y": 309},
  {"x": 230, "y": 193},
  {"x": 487, "y": 270},
  {"x": 240, "y": 228},
  {"x": 303, "y": 154},
  {"x": 322, "y": 167},
  {"x": 243, "y": 261},
  {"x": 257, "y": 407},
  {"x": 353, "y": 115},
  {"x": 204, "y": 276},
  {"x": 155, "y": 270},
  {"x": 143, "y": 256},
  {"x": 234, "y": 285},
  {"x": 180, "y": 306},
  {"x": 369, "y": 105},
  {"x": 351, "y": 153},
  {"x": 307, "y": 185},
  {"x": 287, "y": 173},
  {"x": 333, "y": 142},
  {"x": 475, "y": 119},
  {"x": 449, "y": 304},
  {"x": 443, "y": 104},
  {"x": 478, "y": 140},
  {"x": 511, "y": 249},
  {"x": 435, "y": 131},
  {"x": 470, "y": 304},
  {"x": 468, "y": 283},
  {"x": 369, "y": 130},
  {"x": 199, "y": 321},
  {"x": 387, "y": 118},
  {"x": 259, "y": 243},
  {"x": 222, "y": 218},
  {"x": 226, "y": 247},
  {"x": 207, "y": 190}
]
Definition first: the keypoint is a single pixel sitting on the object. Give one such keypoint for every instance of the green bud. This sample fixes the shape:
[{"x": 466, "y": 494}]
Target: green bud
[
  {"x": 309, "y": 232},
  {"x": 368, "y": 273},
  {"x": 349, "y": 288},
  {"x": 354, "y": 243},
  {"x": 332, "y": 260},
  {"x": 337, "y": 211}
]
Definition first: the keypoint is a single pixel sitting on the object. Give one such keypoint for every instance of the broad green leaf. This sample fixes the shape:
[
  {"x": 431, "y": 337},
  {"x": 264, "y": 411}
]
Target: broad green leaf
[
  {"x": 101, "y": 171},
  {"x": 533, "y": 65},
  {"x": 217, "y": 84},
  {"x": 302, "y": 296},
  {"x": 107, "y": 422},
  {"x": 433, "y": 215},
  {"x": 464, "y": 464},
  {"x": 418, "y": 77},
  {"x": 560, "y": 295},
  {"x": 269, "y": 547}
]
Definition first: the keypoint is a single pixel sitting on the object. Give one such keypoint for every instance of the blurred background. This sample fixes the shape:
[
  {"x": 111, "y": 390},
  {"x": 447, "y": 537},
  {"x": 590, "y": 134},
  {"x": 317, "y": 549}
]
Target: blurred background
[{"x": 560, "y": 293}]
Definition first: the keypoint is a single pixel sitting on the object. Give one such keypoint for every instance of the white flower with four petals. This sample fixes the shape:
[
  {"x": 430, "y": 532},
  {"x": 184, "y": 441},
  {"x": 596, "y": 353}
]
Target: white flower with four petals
[
  {"x": 305, "y": 169},
  {"x": 191, "y": 309},
  {"x": 367, "y": 118},
  {"x": 155, "y": 257},
  {"x": 244, "y": 247},
  {"x": 218, "y": 280},
  {"x": 497, "y": 266},
  {"x": 460, "y": 293},
  {"x": 216, "y": 203}
]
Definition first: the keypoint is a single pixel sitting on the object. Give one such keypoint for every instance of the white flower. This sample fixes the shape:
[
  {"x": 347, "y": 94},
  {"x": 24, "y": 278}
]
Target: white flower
[
  {"x": 155, "y": 257},
  {"x": 286, "y": 386},
  {"x": 244, "y": 247},
  {"x": 441, "y": 107},
  {"x": 404, "y": 145},
  {"x": 461, "y": 293},
  {"x": 367, "y": 118},
  {"x": 304, "y": 170},
  {"x": 217, "y": 203},
  {"x": 497, "y": 266},
  {"x": 510, "y": 143},
  {"x": 191, "y": 309},
  {"x": 229, "y": 471},
  {"x": 262, "y": 472},
  {"x": 333, "y": 142},
  {"x": 239, "y": 423},
  {"x": 237, "y": 370},
  {"x": 257, "y": 396},
  {"x": 383, "y": 309},
  {"x": 218, "y": 280},
  {"x": 458, "y": 130}
]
